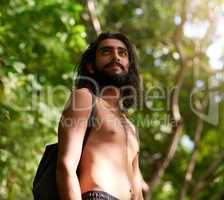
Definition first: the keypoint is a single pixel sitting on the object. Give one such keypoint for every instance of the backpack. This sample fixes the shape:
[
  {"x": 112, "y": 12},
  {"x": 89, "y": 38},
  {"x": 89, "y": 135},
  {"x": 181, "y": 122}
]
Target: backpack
[{"x": 44, "y": 184}]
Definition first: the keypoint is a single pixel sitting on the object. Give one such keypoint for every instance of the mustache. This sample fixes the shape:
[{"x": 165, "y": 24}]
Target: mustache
[{"x": 112, "y": 63}]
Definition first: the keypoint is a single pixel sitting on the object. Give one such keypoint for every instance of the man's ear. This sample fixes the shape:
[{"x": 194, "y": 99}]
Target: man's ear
[{"x": 89, "y": 68}]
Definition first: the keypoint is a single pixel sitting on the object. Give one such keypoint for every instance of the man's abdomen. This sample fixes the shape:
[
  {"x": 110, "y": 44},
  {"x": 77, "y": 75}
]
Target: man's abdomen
[{"x": 104, "y": 168}]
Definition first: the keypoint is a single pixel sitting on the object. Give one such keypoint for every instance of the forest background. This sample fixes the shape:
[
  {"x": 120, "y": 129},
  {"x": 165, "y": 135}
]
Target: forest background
[{"x": 179, "y": 45}]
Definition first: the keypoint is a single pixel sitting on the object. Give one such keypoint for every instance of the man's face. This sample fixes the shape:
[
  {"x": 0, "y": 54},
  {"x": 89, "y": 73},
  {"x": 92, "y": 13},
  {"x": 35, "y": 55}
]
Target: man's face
[{"x": 111, "y": 63}]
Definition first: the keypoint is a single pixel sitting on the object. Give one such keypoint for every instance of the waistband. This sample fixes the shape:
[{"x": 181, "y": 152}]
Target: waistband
[{"x": 97, "y": 195}]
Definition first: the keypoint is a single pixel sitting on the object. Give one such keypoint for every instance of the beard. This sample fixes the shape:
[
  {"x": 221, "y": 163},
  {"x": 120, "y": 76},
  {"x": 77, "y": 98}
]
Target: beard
[{"x": 105, "y": 79}]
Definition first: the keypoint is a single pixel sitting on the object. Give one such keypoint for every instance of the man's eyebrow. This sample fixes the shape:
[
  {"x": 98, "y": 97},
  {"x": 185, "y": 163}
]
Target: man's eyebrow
[
  {"x": 105, "y": 47},
  {"x": 111, "y": 47}
]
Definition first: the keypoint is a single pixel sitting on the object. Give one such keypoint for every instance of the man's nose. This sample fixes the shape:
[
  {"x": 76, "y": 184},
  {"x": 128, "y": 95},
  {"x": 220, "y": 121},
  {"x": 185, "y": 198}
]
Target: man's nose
[{"x": 115, "y": 55}]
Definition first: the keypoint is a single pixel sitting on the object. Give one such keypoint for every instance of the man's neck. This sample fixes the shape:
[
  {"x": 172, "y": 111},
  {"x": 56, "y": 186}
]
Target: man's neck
[{"x": 111, "y": 95}]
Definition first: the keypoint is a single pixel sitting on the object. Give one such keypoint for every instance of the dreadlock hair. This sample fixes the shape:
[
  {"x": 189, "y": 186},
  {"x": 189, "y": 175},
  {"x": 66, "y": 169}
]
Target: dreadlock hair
[{"x": 85, "y": 78}]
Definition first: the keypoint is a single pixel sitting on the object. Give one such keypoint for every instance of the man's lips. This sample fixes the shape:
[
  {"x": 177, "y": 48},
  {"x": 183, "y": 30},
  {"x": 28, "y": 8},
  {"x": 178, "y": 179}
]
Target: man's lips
[{"x": 114, "y": 64}]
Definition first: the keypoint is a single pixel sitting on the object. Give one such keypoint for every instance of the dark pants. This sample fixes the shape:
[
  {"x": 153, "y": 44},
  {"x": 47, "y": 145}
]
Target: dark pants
[{"x": 97, "y": 195}]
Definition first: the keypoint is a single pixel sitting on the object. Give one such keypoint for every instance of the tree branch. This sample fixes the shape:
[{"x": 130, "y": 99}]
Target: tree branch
[
  {"x": 175, "y": 112},
  {"x": 191, "y": 164},
  {"x": 199, "y": 126},
  {"x": 201, "y": 181},
  {"x": 94, "y": 20}
]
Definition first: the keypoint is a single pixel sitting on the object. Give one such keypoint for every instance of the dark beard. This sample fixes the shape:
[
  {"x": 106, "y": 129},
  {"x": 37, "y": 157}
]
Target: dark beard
[{"x": 103, "y": 79}]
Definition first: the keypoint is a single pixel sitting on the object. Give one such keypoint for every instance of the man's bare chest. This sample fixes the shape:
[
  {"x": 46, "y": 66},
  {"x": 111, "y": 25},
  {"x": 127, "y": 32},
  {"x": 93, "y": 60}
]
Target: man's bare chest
[{"x": 114, "y": 129}]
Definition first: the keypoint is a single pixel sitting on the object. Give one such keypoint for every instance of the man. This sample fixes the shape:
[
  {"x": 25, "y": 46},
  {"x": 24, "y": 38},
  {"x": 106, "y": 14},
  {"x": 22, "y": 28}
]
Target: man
[{"x": 109, "y": 161}]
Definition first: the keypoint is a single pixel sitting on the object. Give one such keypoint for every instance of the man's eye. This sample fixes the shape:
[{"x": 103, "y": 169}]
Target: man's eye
[
  {"x": 106, "y": 51},
  {"x": 123, "y": 53}
]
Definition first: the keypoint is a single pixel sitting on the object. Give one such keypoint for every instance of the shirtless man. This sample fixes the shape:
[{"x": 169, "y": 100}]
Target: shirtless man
[{"x": 109, "y": 163}]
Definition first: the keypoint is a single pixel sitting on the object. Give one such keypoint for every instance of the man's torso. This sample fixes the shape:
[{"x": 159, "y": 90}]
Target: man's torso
[{"x": 106, "y": 162}]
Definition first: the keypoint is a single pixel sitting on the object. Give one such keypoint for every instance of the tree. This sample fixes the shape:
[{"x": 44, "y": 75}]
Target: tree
[{"x": 180, "y": 120}]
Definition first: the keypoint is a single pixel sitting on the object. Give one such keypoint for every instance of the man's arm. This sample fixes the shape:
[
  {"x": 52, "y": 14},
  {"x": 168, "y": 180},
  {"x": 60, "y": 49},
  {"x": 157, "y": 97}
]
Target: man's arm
[
  {"x": 137, "y": 178},
  {"x": 71, "y": 132}
]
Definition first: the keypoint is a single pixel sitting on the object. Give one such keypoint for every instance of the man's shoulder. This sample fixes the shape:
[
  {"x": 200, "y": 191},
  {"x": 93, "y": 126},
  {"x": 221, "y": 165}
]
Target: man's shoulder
[
  {"x": 80, "y": 99},
  {"x": 82, "y": 91},
  {"x": 82, "y": 94}
]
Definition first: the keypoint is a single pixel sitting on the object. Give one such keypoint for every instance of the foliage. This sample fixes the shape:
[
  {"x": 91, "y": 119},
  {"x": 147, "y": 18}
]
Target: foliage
[{"x": 41, "y": 41}]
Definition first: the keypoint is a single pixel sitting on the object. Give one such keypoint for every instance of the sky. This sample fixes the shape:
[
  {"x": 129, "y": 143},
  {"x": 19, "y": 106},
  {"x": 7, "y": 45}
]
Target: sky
[{"x": 215, "y": 51}]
